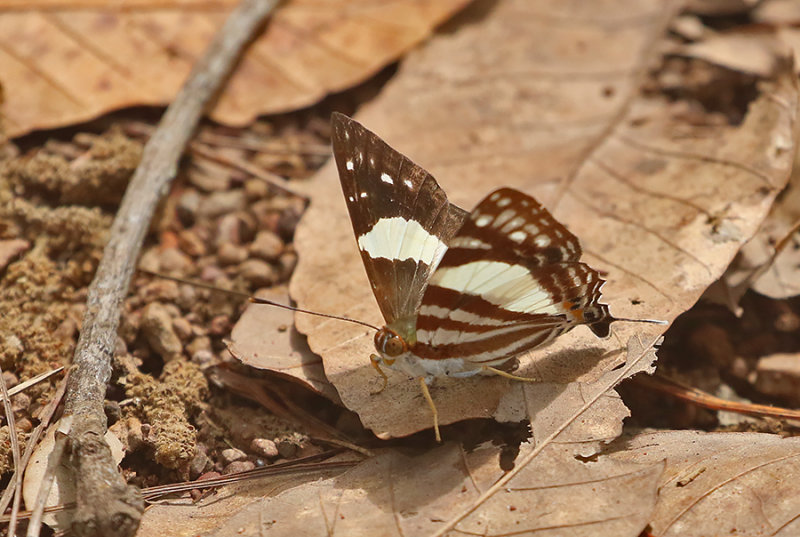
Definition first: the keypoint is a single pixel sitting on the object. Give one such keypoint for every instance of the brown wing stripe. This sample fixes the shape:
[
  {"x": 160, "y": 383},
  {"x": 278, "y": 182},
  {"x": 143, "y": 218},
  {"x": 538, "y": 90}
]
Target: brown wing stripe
[
  {"x": 526, "y": 337},
  {"x": 453, "y": 300}
]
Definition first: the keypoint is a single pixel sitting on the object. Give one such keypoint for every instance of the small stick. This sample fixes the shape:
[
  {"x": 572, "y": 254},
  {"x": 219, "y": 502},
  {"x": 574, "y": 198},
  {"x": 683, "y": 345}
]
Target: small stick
[{"x": 703, "y": 399}]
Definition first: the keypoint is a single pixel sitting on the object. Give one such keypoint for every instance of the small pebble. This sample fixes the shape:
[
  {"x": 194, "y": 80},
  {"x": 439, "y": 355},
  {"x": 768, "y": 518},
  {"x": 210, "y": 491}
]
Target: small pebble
[
  {"x": 201, "y": 343},
  {"x": 202, "y": 357},
  {"x": 191, "y": 243},
  {"x": 187, "y": 207},
  {"x": 255, "y": 189},
  {"x": 208, "y": 475},
  {"x": 112, "y": 411},
  {"x": 66, "y": 330},
  {"x": 287, "y": 263},
  {"x": 267, "y": 245},
  {"x": 238, "y": 466},
  {"x": 173, "y": 259},
  {"x": 212, "y": 273},
  {"x": 258, "y": 273},
  {"x": 183, "y": 328},
  {"x": 20, "y": 403},
  {"x": 779, "y": 375},
  {"x": 24, "y": 425},
  {"x": 198, "y": 464},
  {"x": 209, "y": 176},
  {"x": 10, "y": 379},
  {"x": 157, "y": 329},
  {"x": 219, "y": 325},
  {"x": 228, "y": 231},
  {"x": 187, "y": 296},
  {"x": 264, "y": 447},
  {"x": 247, "y": 226},
  {"x": 287, "y": 449},
  {"x": 221, "y": 202},
  {"x": 231, "y": 254},
  {"x": 163, "y": 290},
  {"x": 11, "y": 249},
  {"x": 232, "y": 454}
]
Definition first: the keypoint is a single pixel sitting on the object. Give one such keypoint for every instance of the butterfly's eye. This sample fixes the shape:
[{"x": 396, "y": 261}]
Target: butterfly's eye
[{"x": 389, "y": 343}]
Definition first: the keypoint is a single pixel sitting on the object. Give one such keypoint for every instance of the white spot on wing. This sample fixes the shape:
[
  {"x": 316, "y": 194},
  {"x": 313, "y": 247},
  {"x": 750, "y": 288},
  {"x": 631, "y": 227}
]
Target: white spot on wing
[
  {"x": 542, "y": 241},
  {"x": 398, "y": 239},
  {"x": 362, "y": 195},
  {"x": 469, "y": 242},
  {"x": 518, "y": 236},
  {"x": 483, "y": 220},
  {"x": 504, "y": 217},
  {"x": 408, "y": 183},
  {"x": 515, "y": 223},
  {"x": 349, "y": 165},
  {"x": 351, "y": 199},
  {"x": 503, "y": 202},
  {"x": 386, "y": 179}
]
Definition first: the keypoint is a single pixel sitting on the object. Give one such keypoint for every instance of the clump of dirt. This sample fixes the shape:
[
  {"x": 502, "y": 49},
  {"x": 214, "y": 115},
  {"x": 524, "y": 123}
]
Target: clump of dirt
[
  {"x": 97, "y": 176},
  {"x": 168, "y": 404}
]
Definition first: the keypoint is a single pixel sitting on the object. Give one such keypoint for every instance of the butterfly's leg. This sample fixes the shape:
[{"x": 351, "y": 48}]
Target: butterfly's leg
[
  {"x": 424, "y": 385},
  {"x": 376, "y": 360},
  {"x": 502, "y": 373}
]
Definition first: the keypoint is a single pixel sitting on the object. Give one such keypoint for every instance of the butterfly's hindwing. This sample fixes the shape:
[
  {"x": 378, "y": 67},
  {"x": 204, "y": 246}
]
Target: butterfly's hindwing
[
  {"x": 511, "y": 281},
  {"x": 401, "y": 218}
]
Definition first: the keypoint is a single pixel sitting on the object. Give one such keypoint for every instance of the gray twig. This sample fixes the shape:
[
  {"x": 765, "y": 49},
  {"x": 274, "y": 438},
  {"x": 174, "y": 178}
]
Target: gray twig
[{"x": 106, "y": 505}]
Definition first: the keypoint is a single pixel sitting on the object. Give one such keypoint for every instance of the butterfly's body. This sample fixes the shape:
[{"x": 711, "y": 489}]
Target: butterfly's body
[{"x": 461, "y": 292}]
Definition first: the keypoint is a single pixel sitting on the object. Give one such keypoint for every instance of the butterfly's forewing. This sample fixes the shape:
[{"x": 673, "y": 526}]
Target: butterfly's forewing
[
  {"x": 510, "y": 281},
  {"x": 401, "y": 218}
]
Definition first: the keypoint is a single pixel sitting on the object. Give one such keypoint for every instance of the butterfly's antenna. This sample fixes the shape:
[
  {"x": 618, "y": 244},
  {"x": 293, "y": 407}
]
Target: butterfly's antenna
[
  {"x": 254, "y": 299},
  {"x": 257, "y": 300},
  {"x": 649, "y": 321}
]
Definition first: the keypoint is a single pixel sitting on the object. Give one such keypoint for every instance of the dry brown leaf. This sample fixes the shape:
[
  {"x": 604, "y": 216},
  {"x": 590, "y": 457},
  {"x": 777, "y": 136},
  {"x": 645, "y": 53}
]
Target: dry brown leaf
[
  {"x": 757, "y": 266},
  {"x": 65, "y": 62},
  {"x": 396, "y": 494},
  {"x": 661, "y": 205},
  {"x": 721, "y": 484},
  {"x": 186, "y": 517},
  {"x": 752, "y": 53},
  {"x": 265, "y": 338},
  {"x": 63, "y": 489}
]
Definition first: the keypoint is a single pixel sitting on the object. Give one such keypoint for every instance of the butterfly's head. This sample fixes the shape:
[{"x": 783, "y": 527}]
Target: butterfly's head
[
  {"x": 389, "y": 344},
  {"x": 598, "y": 318}
]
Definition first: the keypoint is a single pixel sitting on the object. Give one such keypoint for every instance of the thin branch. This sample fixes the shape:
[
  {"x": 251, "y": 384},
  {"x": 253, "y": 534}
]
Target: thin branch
[{"x": 106, "y": 505}]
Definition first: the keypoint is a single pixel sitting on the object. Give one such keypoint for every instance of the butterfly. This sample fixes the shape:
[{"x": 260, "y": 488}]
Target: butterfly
[{"x": 461, "y": 293}]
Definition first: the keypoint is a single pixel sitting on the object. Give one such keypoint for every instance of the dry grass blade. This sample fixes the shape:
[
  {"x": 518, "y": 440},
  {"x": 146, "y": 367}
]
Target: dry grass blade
[
  {"x": 33, "y": 440},
  {"x": 22, "y": 386},
  {"x": 16, "y": 483}
]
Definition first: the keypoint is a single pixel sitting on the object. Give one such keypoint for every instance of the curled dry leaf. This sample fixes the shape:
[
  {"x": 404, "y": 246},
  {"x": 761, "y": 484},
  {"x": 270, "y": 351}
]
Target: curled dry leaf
[
  {"x": 759, "y": 266},
  {"x": 661, "y": 205},
  {"x": 398, "y": 494},
  {"x": 720, "y": 484},
  {"x": 65, "y": 62},
  {"x": 265, "y": 338}
]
